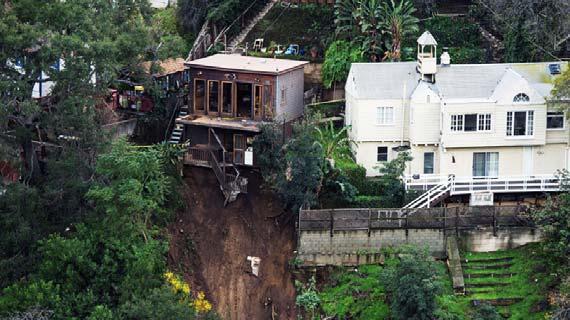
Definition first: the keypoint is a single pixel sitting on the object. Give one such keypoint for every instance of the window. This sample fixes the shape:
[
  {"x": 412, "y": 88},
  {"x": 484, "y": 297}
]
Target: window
[
  {"x": 385, "y": 115},
  {"x": 521, "y": 98},
  {"x": 555, "y": 120},
  {"x": 283, "y": 96},
  {"x": 484, "y": 122},
  {"x": 520, "y": 123},
  {"x": 227, "y": 94},
  {"x": 470, "y": 123},
  {"x": 382, "y": 155},
  {"x": 257, "y": 101},
  {"x": 213, "y": 96},
  {"x": 428, "y": 162},
  {"x": 457, "y": 122},
  {"x": 199, "y": 95},
  {"x": 485, "y": 164}
]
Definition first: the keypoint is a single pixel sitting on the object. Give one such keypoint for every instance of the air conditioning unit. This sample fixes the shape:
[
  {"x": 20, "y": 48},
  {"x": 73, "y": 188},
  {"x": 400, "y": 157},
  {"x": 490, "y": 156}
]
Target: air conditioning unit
[
  {"x": 248, "y": 161},
  {"x": 482, "y": 198}
]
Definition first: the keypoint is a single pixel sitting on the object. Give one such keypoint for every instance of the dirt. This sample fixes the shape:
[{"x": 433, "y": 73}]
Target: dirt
[{"x": 210, "y": 245}]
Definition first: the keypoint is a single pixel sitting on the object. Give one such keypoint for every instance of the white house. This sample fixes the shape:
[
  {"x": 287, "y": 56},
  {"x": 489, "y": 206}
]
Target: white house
[{"x": 475, "y": 122}]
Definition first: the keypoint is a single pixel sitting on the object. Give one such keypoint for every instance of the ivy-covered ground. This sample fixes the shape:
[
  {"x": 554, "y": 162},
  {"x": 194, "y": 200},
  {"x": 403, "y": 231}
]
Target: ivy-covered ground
[{"x": 358, "y": 293}]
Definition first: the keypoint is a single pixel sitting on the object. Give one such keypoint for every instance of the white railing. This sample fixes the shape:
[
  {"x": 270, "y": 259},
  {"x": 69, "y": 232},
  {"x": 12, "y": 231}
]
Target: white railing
[
  {"x": 504, "y": 184},
  {"x": 434, "y": 194},
  {"x": 500, "y": 184}
]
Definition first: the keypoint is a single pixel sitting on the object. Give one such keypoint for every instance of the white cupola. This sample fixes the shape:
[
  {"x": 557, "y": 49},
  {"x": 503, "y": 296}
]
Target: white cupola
[{"x": 427, "y": 61}]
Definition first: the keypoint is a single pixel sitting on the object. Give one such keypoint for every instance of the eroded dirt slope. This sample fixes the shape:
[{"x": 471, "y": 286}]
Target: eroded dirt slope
[{"x": 210, "y": 244}]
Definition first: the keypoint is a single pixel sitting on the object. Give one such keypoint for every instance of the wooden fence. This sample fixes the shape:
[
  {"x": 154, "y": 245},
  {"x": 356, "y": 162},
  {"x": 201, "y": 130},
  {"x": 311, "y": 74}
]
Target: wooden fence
[{"x": 458, "y": 218}]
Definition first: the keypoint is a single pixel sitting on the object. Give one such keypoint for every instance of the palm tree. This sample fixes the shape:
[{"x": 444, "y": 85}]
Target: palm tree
[
  {"x": 398, "y": 21},
  {"x": 361, "y": 22},
  {"x": 335, "y": 143}
]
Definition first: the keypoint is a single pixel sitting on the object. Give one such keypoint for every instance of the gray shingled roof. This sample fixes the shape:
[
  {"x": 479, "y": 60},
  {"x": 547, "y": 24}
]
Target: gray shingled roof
[{"x": 385, "y": 80}]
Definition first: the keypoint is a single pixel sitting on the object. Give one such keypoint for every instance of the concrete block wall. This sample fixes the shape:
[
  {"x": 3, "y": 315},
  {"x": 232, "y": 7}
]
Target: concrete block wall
[{"x": 356, "y": 247}]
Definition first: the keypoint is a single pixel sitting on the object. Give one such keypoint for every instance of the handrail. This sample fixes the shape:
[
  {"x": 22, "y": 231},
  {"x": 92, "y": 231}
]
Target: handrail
[
  {"x": 433, "y": 193},
  {"x": 174, "y": 115}
]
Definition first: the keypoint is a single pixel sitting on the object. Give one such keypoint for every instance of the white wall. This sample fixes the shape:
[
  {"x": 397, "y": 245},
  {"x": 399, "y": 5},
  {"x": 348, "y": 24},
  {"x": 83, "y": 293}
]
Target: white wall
[
  {"x": 498, "y": 134},
  {"x": 293, "y": 105},
  {"x": 363, "y": 116}
]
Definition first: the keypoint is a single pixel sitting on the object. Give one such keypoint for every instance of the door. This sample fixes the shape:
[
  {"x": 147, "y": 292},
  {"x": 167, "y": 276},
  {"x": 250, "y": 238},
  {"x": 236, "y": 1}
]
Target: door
[
  {"x": 485, "y": 164},
  {"x": 239, "y": 148},
  {"x": 528, "y": 161}
]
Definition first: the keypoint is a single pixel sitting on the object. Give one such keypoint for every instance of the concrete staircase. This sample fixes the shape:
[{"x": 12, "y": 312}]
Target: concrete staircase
[
  {"x": 176, "y": 135},
  {"x": 237, "y": 40}
]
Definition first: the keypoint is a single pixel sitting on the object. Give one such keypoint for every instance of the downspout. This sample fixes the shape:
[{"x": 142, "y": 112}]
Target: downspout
[{"x": 403, "y": 113}]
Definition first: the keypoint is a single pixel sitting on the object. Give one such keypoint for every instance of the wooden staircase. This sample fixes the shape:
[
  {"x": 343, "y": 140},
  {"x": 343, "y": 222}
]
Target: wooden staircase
[{"x": 237, "y": 40}]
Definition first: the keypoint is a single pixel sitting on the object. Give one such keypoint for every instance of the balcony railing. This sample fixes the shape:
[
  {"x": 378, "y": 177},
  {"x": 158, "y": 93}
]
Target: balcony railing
[{"x": 500, "y": 184}]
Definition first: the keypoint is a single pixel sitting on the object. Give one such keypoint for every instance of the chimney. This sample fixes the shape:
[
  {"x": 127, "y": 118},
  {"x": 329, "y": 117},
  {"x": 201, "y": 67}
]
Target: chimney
[{"x": 445, "y": 58}]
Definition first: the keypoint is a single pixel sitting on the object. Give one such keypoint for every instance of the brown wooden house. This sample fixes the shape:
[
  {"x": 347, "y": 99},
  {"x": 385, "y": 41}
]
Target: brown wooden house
[{"x": 230, "y": 96}]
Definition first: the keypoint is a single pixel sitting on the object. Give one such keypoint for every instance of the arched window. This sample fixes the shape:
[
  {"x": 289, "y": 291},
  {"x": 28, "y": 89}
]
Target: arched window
[{"x": 521, "y": 98}]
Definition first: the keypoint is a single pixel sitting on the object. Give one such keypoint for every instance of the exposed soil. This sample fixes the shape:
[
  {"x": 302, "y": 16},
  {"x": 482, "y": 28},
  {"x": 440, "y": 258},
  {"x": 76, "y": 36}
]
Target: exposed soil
[{"x": 210, "y": 245}]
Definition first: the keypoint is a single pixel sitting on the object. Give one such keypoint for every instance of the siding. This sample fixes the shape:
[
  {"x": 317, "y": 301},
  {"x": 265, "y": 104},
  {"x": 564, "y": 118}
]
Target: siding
[
  {"x": 424, "y": 124},
  {"x": 366, "y": 152},
  {"x": 498, "y": 134},
  {"x": 293, "y": 105},
  {"x": 364, "y": 116}
]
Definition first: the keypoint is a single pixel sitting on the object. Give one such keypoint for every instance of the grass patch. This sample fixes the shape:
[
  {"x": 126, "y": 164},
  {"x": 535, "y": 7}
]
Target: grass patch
[{"x": 530, "y": 280}]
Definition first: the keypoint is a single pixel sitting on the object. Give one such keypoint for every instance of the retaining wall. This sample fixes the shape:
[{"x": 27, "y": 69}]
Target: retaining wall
[{"x": 354, "y": 247}]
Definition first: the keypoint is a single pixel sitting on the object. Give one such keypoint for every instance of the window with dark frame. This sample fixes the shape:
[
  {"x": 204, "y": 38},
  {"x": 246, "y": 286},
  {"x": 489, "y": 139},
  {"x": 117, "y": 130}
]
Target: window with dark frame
[
  {"x": 470, "y": 122},
  {"x": 199, "y": 95},
  {"x": 520, "y": 123},
  {"x": 428, "y": 162},
  {"x": 555, "y": 120},
  {"x": 382, "y": 155}
]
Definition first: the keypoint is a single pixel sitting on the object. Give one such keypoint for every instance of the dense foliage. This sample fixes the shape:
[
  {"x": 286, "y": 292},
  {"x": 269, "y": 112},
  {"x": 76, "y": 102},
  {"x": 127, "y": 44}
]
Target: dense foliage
[
  {"x": 338, "y": 59},
  {"x": 531, "y": 30},
  {"x": 377, "y": 27},
  {"x": 112, "y": 265},
  {"x": 412, "y": 284}
]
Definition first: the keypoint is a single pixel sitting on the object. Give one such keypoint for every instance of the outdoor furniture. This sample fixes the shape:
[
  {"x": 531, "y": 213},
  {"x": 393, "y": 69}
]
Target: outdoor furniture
[
  {"x": 293, "y": 49},
  {"x": 258, "y": 44}
]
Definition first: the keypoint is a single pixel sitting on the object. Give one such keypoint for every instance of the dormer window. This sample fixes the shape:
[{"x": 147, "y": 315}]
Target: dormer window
[{"x": 521, "y": 98}]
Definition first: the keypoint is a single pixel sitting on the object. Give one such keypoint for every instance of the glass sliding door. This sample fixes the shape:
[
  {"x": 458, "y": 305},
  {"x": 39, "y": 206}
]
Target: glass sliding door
[{"x": 485, "y": 164}]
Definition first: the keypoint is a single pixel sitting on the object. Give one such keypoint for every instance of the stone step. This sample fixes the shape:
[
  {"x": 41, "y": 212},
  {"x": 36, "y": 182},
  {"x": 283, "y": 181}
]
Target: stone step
[
  {"x": 488, "y": 260},
  {"x": 497, "y": 302},
  {"x": 487, "y": 267},
  {"x": 488, "y": 275},
  {"x": 486, "y": 284}
]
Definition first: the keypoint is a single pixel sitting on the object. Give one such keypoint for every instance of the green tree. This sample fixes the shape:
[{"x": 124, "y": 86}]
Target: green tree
[
  {"x": 411, "y": 282},
  {"x": 361, "y": 22},
  {"x": 554, "y": 221},
  {"x": 561, "y": 92},
  {"x": 393, "y": 190},
  {"x": 335, "y": 143},
  {"x": 308, "y": 297},
  {"x": 112, "y": 265},
  {"x": 338, "y": 58},
  {"x": 398, "y": 22}
]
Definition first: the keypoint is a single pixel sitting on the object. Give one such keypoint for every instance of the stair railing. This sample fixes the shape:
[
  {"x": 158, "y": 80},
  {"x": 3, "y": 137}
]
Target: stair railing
[
  {"x": 171, "y": 122},
  {"x": 432, "y": 194}
]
